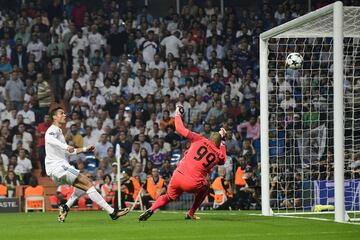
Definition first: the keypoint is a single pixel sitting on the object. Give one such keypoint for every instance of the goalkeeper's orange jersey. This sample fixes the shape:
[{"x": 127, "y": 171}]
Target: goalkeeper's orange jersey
[{"x": 201, "y": 156}]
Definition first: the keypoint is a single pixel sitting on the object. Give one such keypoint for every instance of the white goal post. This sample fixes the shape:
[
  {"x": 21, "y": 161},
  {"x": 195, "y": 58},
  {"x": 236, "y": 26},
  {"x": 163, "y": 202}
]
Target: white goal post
[{"x": 329, "y": 28}]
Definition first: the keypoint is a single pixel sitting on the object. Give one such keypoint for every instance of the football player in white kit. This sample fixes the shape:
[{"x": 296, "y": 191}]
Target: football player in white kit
[{"x": 60, "y": 171}]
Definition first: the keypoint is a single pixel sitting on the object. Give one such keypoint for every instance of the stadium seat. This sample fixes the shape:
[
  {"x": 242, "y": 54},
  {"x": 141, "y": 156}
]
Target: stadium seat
[{"x": 35, "y": 203}]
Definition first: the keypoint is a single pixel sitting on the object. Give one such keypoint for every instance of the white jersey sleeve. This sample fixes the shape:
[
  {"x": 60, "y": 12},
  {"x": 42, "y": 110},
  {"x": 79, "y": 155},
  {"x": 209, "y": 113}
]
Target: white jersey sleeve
[
  {"x": 52, "y": 140},
  {"x": 55, "y": 148}
]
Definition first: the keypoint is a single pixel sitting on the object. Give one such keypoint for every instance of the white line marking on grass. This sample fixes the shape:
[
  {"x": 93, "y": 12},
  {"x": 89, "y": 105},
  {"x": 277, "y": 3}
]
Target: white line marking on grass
[
  {"x": 244, "y": 235},
  {"x": 311, "y": 218},
  {"x": 206, "y": 213},
  {"x": 315, "y": 218}
]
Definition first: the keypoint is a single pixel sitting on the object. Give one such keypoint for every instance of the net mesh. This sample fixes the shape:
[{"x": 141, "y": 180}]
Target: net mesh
[{"x": 301, "y": 126}]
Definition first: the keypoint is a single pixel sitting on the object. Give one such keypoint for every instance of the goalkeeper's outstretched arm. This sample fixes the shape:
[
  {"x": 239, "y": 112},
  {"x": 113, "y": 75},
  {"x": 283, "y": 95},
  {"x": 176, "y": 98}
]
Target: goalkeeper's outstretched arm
[{"x": 179, "y": 126}]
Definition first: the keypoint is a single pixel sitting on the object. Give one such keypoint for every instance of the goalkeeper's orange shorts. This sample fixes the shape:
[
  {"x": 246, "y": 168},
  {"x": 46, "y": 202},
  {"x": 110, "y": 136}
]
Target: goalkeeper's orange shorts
[{"x": 180, "y": 183}]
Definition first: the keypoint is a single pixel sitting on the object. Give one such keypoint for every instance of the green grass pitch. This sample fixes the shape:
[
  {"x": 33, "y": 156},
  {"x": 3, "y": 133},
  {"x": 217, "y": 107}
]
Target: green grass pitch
[{"x": 220, "y": 225}]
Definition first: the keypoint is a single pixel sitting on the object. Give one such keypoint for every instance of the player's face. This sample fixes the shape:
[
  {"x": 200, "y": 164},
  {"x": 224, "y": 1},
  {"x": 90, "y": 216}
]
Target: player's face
[{"x": 60, "y": 116}]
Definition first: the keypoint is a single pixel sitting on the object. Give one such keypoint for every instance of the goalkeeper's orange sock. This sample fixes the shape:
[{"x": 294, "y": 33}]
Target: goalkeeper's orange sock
[
  {"x": 199, "y": 198},
  {"x": 161, "y": 201}
]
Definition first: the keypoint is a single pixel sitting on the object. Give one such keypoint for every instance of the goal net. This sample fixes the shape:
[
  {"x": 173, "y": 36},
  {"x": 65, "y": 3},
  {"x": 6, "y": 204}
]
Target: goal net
[{"x": 310, "y": 117}]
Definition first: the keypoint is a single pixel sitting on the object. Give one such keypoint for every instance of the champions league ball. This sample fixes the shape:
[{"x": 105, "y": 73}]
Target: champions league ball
[{"x": 294, "y": 61}]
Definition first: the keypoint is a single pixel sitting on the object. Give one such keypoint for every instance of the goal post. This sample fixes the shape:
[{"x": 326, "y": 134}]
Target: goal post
[
  {"x": 338, "y": 29},
  {"x": 308, "y": 137}
]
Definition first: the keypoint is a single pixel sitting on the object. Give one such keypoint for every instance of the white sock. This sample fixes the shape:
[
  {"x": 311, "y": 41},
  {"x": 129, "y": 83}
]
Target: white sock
[
  {"x": 75, "y": 195},
  {"x": 96, "y": 197}
]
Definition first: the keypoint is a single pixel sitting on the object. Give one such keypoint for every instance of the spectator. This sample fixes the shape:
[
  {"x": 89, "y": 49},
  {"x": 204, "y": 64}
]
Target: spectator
[
  {"x": 166, "y": 120},
  {"x": 215, "y": 112},
  {"x": 40, "y": 134},
  {"x": 34, "y": 189},
  {"x": 149, "y": 48},
  {"x": 139, "y": 173},
  {"x": 102, "y": 146},
  {"x": 155, "y": 186},
  {"x": 172, "y": 44},
  {"x": 5, "y": 66},
  {"x": 36, "y": 47},
  {"x": 288, "y": 102},
  {"x": 253, "y": 110},
  {"x": 63, "y": 193},
  {"x": 3, "y": 189},
  {"x": 15, "y": 90},
  {"x": 75, "y": 136},
  {"x": 28, "y": 115},
  {"x": 58, "y": 72},
  {"x": 78, "y": 42},
  {"x": 222, "y": 190},
  {"x": 23, "y": 34},
  {"x": 217, "y": 48},
  {"x": 4, "y": 162},
  {"x": 19, "y": 57},
  {"x": 248, "y": 151},
  {"x": 78, "y": 13},
  {"x": 252, "y": 129},
  {"x": 44, "y": 96},
  {"x": 246, "y": 194},
  {"x": 23, "y": 167},
  {"x": 107, "y": 189},
  {"x": 11, "y": 181},
  {"x": 23, "y": 137},
  {"x": 157, "y": 157},
  {"x": 216, "y": 85}
]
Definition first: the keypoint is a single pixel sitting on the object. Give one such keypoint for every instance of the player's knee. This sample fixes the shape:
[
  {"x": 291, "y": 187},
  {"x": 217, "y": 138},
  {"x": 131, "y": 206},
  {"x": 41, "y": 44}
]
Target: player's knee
[
  {"x": 85, "y": 181},
  {"x": 171, "y": 198}
]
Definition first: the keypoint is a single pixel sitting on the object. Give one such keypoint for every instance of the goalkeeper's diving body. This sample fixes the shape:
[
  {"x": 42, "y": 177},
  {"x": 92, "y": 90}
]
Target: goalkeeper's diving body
[
  {"x": 191, "y": 173},
  {"x": 61, "y": 172}
]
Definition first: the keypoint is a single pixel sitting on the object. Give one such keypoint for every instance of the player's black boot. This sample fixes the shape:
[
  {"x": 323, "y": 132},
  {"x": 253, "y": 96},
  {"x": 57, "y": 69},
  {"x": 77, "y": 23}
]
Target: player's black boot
[
  {"x": 145, "y": 215},
  {"x": 63, "y": 212},
  {"x": 119, "y": 213}
]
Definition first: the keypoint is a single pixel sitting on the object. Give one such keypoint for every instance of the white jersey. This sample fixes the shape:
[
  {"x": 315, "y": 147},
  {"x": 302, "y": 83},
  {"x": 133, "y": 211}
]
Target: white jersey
[{"x": 56, "y": 149}]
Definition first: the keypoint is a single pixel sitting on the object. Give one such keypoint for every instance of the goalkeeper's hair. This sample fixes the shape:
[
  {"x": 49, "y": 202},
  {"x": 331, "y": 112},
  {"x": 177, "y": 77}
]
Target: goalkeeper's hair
[{"x": 215, "y": 137}]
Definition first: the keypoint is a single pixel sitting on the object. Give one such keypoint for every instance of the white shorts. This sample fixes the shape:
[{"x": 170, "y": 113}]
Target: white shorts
[{"x": 65, "y": 174}]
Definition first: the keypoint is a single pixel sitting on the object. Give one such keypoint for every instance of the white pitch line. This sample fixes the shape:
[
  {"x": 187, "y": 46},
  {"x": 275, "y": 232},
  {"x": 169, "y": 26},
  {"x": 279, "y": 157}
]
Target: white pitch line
[
  {"x": 206, "y": 213},
  {"x": 315, "y": 218},
  {"x": 311, "y": 218}
]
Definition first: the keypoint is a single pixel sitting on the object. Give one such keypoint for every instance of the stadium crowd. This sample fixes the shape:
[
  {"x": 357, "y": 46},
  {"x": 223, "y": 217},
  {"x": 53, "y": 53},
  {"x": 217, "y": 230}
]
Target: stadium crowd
[{"x": 119, "y": 72}]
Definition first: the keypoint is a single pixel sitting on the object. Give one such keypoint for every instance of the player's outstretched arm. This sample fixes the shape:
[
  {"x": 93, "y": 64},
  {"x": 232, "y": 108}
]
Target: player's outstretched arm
[
  {"x": 222, "y": 144},
  {"x": 179, "y": 125},
  {"x": 90, "y": 148},
  {"x": 180, "y": 128}
]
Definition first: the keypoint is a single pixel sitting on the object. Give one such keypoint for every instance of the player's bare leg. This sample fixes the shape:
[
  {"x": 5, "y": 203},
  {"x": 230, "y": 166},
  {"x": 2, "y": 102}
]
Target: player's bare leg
[
  {"x": 199, "y": 198},
  {"x": 85, "y": 184}
]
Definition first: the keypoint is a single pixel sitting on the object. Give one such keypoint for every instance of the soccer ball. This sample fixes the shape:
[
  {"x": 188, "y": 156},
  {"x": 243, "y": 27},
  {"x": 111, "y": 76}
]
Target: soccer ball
[{"x": 294, "y": 61}]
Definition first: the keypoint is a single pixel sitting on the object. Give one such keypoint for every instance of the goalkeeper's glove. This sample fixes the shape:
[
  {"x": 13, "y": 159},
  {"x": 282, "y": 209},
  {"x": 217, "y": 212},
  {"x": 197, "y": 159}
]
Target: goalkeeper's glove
[
  {"x": 223, "y": 134},
  {"x": 179, "y": 110}
]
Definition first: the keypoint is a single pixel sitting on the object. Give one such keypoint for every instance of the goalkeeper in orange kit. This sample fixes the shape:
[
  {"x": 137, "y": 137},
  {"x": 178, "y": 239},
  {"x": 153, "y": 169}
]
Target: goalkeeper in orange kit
[{"x": 190, "y": 175}]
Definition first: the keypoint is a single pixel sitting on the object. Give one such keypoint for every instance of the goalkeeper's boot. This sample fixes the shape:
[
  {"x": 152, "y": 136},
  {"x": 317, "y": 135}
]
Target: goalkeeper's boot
[
  {"x": 191, "y": 217},
  {"x": 145, "y": 215},
  {"x": 63, "y": 212},
  {"x": 119, "y": 213}
]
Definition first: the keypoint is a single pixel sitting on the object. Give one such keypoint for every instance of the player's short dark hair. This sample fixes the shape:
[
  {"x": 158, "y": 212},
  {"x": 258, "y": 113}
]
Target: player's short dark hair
[{"x": 54, "y": 111}]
